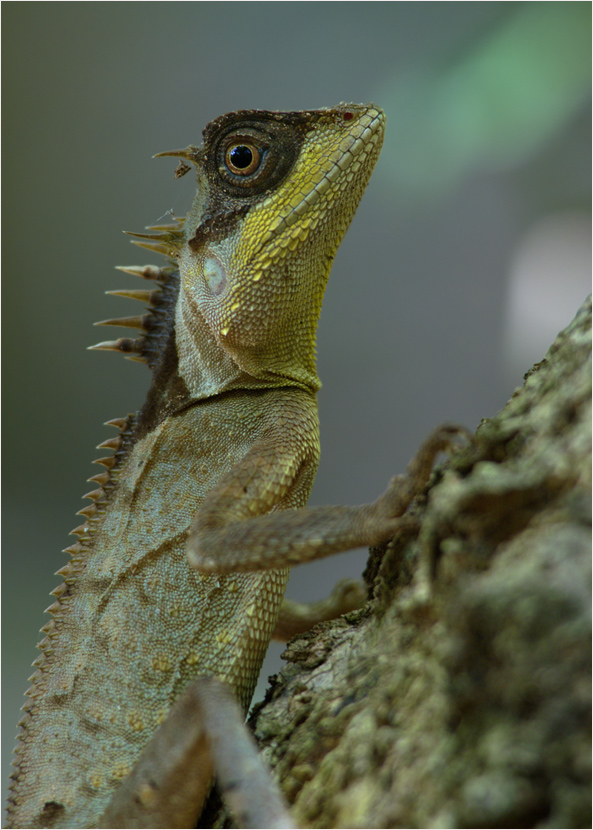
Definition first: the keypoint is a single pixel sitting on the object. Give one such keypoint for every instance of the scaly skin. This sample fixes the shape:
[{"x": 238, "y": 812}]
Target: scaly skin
[{"x": 230, "y": 425}]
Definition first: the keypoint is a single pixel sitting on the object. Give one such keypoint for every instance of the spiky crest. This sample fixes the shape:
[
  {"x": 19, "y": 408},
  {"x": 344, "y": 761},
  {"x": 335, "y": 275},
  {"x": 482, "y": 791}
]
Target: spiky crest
[{"x": 165, "y": 239}]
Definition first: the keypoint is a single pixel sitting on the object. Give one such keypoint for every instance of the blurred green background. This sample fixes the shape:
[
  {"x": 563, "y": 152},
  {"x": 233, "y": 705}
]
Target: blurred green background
[{"x": 469, "y": 252}]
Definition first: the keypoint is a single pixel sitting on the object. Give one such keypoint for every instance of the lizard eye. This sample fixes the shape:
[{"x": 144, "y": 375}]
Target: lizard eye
[
  {"x": 242, "y": 159},
  {"x": 249, "y": 156}
]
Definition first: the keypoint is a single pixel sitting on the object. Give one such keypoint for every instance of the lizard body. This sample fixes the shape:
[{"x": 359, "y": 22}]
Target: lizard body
[{"x": 227, "y": 439}]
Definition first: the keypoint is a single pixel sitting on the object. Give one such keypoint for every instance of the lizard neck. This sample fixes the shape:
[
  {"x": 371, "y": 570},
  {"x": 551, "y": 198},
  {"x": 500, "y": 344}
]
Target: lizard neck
[{"x": 214, "y": 358}]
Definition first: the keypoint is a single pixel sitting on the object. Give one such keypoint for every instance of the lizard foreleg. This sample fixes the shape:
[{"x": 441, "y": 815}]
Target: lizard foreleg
[{"x": 219, "y": 543}]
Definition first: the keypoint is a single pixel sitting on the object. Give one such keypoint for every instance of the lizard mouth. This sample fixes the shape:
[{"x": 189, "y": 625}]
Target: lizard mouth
[{"x": 344, "y": 167}]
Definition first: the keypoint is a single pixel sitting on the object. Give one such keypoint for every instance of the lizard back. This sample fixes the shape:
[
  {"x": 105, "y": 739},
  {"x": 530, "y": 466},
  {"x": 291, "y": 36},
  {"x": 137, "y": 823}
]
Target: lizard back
[{"x": 139, "y": 623}]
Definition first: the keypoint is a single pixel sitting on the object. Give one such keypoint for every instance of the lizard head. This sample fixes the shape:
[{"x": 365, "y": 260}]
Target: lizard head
[{"x": 276, "y": 193}]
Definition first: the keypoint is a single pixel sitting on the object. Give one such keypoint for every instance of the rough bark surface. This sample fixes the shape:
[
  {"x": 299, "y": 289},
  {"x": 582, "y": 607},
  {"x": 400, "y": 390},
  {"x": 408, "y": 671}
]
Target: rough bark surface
[{"x": 459, "y": 696}]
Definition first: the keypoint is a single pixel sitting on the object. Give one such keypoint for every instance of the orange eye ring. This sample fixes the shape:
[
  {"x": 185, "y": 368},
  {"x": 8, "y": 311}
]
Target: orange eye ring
[{"x": 242, "y": 159}]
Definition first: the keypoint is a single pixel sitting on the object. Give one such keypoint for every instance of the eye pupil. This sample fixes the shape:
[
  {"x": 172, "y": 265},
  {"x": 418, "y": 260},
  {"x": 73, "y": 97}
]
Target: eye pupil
[
  {"x": 241, "y": 156},
  {"x": 243, "y": 160}
]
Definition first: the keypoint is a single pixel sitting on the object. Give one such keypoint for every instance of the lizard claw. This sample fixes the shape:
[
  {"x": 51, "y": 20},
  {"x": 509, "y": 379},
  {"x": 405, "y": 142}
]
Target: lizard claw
[
  {"x": 348, "y": 595},
  {"x": 445, "y": 438},
  {"x": 403, "y": 489}
]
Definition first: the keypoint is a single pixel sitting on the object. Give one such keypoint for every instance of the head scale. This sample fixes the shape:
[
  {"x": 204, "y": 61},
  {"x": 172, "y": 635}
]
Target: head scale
[{"x": 276, "y": 193}]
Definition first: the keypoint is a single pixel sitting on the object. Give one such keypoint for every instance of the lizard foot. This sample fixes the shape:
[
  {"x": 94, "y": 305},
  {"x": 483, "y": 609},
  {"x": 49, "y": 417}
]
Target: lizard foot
[
  {"x": 298, "y": 617},
  {"x": 389, "y": 508}
]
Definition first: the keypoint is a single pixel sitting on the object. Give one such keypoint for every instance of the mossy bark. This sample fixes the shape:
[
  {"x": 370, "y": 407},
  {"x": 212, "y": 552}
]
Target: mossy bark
[{"x": 459, "y": 696}]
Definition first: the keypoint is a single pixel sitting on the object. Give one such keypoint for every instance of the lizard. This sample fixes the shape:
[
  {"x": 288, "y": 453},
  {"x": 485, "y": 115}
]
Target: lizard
[{"x": 183, "y": 555}]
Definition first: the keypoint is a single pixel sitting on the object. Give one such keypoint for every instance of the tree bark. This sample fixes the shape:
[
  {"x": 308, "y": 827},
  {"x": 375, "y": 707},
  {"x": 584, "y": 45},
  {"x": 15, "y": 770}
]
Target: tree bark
[{"x": 459, "y": 696}]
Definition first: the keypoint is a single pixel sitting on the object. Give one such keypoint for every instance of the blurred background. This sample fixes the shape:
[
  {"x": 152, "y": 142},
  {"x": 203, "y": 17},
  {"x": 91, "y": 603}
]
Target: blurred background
[{"x": 470, "y": 251}]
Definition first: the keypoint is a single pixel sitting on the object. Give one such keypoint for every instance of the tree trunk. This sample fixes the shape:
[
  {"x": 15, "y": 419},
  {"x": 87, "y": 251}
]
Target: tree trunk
[{"x": 459, "y": 696}]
